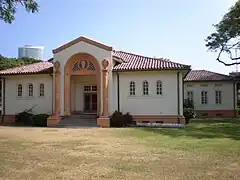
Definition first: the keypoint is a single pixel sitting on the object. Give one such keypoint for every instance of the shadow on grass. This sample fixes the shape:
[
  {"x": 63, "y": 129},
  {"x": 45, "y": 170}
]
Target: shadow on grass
[{"x": 203, "y": 130}]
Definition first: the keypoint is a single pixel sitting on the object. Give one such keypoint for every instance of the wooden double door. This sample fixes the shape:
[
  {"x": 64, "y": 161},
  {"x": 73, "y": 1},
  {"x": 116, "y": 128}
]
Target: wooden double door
[{"x": 90, "y": 102}]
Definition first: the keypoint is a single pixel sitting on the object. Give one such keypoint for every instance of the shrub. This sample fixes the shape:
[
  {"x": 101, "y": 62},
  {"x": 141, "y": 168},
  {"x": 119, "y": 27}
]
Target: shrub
[
  {"x": 40, "y": 120},
  {"x": 116, "y": 119},
  {"x": 189, "y": 114},
  {"x": 24, "y": 118},
  {"x": 188, "y": 110},
  {"x": 127, "y": 119},
  {"x": 119, "y": 120}
]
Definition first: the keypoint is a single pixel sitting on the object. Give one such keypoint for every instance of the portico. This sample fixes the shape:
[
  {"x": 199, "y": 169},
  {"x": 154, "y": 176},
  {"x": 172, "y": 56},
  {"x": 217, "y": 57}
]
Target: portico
[{"x": 85, "y": 81}]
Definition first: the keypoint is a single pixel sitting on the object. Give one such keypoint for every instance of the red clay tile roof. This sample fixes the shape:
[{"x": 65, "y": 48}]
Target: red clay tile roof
[
  {"x": 203, "y": 75},
  {"x": 40, "y": 67},
  {"x": 133, "y": 62},
  {"x": 129, "y": 62}
]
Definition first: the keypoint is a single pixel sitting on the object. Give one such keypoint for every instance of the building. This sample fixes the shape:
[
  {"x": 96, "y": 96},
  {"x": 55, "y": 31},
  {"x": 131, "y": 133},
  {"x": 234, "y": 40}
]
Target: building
[
  {"x": 213, "y": 94},
  {"x": 29, "y": 51},
  {"x": 88, "y": 77}
]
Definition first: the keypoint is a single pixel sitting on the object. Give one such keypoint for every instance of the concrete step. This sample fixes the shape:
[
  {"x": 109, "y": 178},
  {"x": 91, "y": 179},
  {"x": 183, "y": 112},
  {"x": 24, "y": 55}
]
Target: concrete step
[{"x": 79, "y": 121}]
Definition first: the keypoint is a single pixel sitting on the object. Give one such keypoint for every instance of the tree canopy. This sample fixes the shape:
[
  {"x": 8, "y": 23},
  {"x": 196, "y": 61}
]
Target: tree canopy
[
  {"x": 6, "y": 63},
  {"x": 226, "y": 39},
  {"x": 8, "y": 8}
]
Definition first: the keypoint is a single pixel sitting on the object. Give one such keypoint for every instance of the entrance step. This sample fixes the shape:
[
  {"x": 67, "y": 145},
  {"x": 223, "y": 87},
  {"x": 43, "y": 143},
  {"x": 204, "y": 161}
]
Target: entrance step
[{"x": 79, "y": 121}]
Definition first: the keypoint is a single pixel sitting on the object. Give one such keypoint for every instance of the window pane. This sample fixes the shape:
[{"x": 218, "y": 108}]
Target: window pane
[
  {"x": 19, "y": 90},
  {"x": 87, "y": 88},
  {"x": 41, "y": 90},
  {"x": 218, "y": 97},
  {"x": 30, "y": 90},
  {"x": 132, "y": 88},
  {"x": 204, "y": 98},
  {"x": 94, "y": 88},
  {"x": 159, "y": 88},
  {"x": 145, "y": 88}
]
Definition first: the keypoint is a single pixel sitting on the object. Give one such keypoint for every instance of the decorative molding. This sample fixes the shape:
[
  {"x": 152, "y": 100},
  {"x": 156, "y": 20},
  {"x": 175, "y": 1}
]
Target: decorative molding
[
  {"x": 84, "y": 39},
  {"x": 105, "y": 64},
  {"x": 83, "y": 65},
  {"x": 57, "y": 66}
]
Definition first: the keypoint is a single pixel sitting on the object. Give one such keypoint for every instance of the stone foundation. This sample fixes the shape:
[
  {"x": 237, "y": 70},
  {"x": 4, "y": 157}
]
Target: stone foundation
[
  {"x": 215, "y": 113},
  {"x": 159, "y": 119},
  {"x": 8, "y": 119}
]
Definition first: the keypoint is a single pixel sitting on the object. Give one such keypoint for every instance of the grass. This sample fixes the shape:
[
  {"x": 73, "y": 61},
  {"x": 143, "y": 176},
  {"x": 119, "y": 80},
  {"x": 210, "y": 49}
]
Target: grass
[{"x": 200, "y": 151}]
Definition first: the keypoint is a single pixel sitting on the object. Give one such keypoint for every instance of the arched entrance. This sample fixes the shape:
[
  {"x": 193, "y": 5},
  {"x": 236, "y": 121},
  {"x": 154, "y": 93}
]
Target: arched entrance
[{"x": 85, "y": 96}]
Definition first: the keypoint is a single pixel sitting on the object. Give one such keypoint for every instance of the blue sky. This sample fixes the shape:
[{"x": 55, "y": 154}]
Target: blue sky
[{"x": 173, "y": 29}]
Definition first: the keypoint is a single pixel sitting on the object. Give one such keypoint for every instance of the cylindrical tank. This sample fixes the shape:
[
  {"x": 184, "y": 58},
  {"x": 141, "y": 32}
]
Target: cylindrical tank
[{"x": 30, "y": 51}]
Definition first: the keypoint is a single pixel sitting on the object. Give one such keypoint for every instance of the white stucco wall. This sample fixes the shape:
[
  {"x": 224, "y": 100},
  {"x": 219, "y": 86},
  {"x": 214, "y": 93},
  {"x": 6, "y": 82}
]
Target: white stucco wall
[
  {"x": 82, "y": 47},
  {"x": 227, "y": 94},
  {"x": 166, "y": 104},
  {"x": 14, "y": 104}
]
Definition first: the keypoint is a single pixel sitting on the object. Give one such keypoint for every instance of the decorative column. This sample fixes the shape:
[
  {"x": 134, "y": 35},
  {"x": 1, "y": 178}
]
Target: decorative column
[
  {"x": 103, "y": 120},
  {"x": 55, "y": 118},
  {"x": 67, "y": 94}
]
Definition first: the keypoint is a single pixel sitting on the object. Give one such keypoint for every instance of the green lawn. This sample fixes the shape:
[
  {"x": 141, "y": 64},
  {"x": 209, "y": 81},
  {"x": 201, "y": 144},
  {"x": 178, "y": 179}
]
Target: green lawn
[{"x": 199, "y": 151}]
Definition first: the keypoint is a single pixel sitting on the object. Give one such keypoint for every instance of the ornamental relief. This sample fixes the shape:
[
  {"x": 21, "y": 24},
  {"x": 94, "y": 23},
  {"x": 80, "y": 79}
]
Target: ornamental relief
[{"x": 83, "y": 65}]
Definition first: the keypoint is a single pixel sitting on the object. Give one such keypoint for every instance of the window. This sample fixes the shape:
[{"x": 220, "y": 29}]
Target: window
[
  {"x": 94, "y": 88},
  {"x": 30, "y": 90},
  {"x": 204, "y": 98},
  {"x": 145, "y": 88},
  {"x": 41, "y": 90},
  {"x": 218, "y": 97},
  {"x": 19, "y": 90},
  {"x": 87, "y": 88},
  {"x": 190, "y": 95},
  {"x": 159, "y": 88},
  {"x": 90, "y": 88},
  {"x": 132, "y": 88}
]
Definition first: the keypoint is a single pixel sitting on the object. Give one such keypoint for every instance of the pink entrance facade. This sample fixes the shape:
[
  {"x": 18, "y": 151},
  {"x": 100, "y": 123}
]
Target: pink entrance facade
[{"x": 72, "y": 62}]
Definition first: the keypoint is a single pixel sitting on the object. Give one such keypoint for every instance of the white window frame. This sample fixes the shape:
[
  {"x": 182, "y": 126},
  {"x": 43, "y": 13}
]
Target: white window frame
[
  {"x": 30, "y": 91},
  {"x": 132, "y": 88},
  {"x": 41, "y": 90},
  {"x": 190, "y": 95},
  {"x": 204, "y": 97},
  {"x": 89, "y": 88},
  {"x": 19, "y": 85},
  {"x": 145, "y": 86},
  {"x": 159, "y": 88},
  {"x": 218, "y": 97}
]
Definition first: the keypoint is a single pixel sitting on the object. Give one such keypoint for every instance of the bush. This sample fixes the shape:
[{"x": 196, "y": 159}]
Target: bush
[
  {"x": 40, "y": 120},
  {"x": 24, "y": 118},
  {"x": 188, "y": 110},
  {"x": 119, "y": 120},
  {"x": 127, "y": 119},
  {"x": 116, "y": 119},
  {"x": 189, "y": 114}
]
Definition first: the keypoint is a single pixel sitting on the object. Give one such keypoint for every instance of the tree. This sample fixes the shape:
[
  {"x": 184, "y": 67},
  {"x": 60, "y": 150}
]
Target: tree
[
  {"x": 6, "y": 63},
  {"x": 226, "y": 39},
  {"x": 8, "y": 8}
]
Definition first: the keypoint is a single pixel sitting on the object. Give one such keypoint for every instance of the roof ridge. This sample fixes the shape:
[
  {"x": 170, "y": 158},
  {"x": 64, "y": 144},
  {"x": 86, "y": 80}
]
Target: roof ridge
[{"x": 162, "y": 58}]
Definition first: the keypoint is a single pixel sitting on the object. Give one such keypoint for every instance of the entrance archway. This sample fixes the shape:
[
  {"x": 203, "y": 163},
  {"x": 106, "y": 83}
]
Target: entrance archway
[{"x": 81, "y": 64}]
